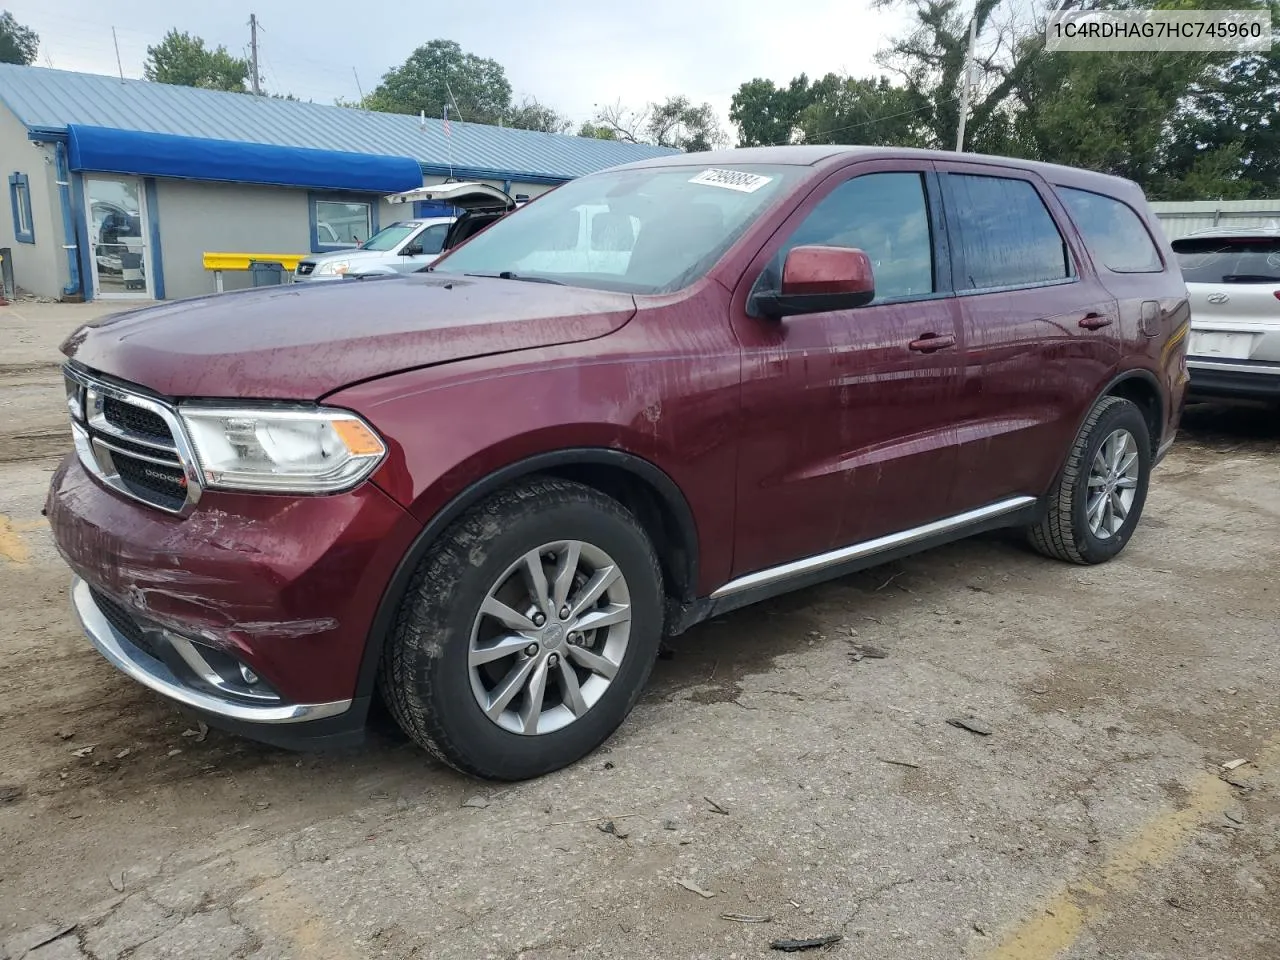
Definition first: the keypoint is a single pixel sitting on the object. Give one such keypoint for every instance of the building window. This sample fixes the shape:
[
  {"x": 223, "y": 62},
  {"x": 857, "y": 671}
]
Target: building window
[
  {"x": 20, "y": 198},
  {"x": 338, "y": 223}
]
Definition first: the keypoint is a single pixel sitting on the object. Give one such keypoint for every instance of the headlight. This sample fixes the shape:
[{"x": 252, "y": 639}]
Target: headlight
[
  {"x": 330, "y": 267},
  {"x": 287, "y": 451}
]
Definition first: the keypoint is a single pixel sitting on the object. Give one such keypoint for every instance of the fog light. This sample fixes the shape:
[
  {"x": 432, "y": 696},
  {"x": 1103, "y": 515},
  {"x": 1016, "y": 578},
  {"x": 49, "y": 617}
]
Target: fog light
[{"x": 249, "y": 676}]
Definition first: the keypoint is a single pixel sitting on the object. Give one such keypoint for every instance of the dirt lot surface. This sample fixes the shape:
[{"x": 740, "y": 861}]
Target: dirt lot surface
[{"x": 791, "y": 764}]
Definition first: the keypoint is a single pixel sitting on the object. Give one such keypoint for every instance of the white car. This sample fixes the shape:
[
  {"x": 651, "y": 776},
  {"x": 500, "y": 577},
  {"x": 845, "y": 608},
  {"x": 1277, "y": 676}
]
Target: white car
[
  {"x": 1233, "y": 282},
  {"x": 408, "y": 246},
  {"x": 403, "y": 247}
]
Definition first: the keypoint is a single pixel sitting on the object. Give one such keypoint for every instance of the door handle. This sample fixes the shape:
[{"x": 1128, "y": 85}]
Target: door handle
[
  {"x": 1094, "y": 321},
  {"x": 930, "y": 342}
]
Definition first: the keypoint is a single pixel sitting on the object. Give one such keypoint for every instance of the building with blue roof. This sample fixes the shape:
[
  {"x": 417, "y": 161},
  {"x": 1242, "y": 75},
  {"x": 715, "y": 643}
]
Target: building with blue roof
[{"x": 118, "y": 187}]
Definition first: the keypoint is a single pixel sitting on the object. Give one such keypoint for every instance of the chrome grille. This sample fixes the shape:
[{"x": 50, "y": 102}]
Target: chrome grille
[
  {"x": 305, "y": 268},
  {"x": 132, "y": 442}
]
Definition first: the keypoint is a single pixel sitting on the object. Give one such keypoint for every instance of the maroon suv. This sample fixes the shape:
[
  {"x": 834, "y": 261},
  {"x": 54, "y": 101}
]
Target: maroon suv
[{"x": 662, "y": 392}]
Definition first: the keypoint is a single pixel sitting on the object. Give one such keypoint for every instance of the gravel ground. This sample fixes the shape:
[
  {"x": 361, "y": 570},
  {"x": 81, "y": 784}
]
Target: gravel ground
[{"x": 792, "y": 763}]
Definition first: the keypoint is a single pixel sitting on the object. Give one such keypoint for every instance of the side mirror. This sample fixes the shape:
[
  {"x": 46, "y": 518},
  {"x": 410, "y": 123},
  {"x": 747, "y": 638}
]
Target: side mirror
[
  {"x": 412, "y": 250},
  {"x": 818, "y": 279}
]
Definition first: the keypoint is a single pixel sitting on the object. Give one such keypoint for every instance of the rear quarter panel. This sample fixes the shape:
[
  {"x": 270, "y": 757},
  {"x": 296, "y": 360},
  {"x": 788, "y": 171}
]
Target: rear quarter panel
[{"x": 1154, "y": 314}]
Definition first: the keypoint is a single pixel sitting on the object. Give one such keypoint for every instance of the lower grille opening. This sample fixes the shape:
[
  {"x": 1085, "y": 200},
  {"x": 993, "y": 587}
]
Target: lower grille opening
[
  {"x": 124, "y": 622},
  {"x": 164, "y": 486}
]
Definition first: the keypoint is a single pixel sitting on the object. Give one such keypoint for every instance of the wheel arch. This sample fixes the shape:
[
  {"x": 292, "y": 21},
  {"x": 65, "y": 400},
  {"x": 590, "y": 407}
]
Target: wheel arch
[
  {"x": 641, "y": 486},
  {"x": 1141, "y": 388}
]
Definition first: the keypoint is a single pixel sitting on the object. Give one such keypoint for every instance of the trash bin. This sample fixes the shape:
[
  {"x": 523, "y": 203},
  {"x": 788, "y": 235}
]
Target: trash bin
[{"x": 266, "y": 273}]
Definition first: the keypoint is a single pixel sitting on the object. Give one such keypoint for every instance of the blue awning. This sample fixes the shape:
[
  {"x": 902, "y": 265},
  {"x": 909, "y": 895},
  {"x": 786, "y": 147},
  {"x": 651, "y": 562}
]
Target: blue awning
[{"x": 105, "y": 150}]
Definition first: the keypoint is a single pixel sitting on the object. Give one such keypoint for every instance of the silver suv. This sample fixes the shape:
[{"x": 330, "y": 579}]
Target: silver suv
[{"x": 1233, "y": 279}]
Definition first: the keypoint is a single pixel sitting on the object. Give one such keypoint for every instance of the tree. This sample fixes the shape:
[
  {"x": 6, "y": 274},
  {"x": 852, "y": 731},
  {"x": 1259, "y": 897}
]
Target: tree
[
  {"x": 870, "y": 111},
  {"x": 596, "y": 132},
  {"x": 440, "y": 74},
  {"x": 184, "y": 60},
  {"x": 532, "y": 115},
  {"x": 18, "y": 44},
  {"x": 674, "y": 123},
  {"x": 768, "y": 115}
]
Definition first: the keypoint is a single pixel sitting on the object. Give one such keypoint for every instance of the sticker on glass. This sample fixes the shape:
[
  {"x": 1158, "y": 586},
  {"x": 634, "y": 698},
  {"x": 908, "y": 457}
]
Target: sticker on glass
[{"x": 731, "y": 180}]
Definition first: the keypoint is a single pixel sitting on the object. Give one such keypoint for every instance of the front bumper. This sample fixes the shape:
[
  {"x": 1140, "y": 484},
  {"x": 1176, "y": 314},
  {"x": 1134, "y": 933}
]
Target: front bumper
[
  {"x": 286, "y": 588},
  {"x": 1244, "y": 379},
  {"x": 150, "y": 670}
]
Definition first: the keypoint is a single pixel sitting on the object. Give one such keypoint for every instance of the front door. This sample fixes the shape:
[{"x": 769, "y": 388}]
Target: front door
[
  {"x": 847, "y": 415},
  {"x": 118, "y": 237}
]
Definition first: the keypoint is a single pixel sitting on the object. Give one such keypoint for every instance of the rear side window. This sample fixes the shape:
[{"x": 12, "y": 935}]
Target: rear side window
[
  {"x": 1005, "y": 234},
  {"x": 1229, "y": 259},
  {"x": 1112, "y": 230}
]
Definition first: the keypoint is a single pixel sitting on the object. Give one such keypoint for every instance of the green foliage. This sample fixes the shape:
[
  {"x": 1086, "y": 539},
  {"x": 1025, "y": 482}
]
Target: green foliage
[
  {"x": 1183, "y": 125},
  {"x": 532, "y": 115},
  {"x": 18, "y": 44},
  {"x": 589, "y": 129},
  {"x": 440, "y": 74},
  {"x": 184, "y": 60},
  {"x": 675, "y": 122}
]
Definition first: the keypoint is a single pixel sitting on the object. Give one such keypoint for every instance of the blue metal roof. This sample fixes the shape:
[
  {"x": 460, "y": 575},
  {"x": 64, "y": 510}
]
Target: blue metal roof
[{"x": 49, "y": 100}]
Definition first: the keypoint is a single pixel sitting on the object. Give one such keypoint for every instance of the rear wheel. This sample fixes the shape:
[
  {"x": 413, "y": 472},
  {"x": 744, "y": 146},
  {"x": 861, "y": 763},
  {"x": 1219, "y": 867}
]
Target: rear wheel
[
  {"x": 527, "y": 633},
  {"x": 1097, "y": 500}
]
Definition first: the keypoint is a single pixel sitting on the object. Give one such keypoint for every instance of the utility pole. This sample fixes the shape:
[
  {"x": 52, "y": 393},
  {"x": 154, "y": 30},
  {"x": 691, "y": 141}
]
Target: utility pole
[
  {"x": 965, "y": 83},
  {"x": 253, "y": 55}
]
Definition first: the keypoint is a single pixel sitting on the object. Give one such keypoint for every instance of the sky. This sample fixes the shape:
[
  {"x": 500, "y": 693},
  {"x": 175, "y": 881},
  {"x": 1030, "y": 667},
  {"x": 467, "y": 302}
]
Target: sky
[{"x": 569, "y": 54}]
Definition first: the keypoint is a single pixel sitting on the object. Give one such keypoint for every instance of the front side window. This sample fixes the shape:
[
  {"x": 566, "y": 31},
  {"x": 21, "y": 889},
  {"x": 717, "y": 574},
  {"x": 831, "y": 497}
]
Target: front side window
[
  {"x": 647, "y": 231},
  {"x": 20, "y": 199},
  {"x": 1005, "y": 234},
  {"x": 886, "y": 216},
  {"x": 431, "y": 240},
  {"x": 341, "y": 223},
  {"x": 1113, "y": 232}
]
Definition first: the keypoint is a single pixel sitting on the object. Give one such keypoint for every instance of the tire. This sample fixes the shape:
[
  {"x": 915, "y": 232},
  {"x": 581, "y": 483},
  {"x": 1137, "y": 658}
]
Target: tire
[
  {"x": 429, "y": 675},
  {"x": 1065, "y": 532}
]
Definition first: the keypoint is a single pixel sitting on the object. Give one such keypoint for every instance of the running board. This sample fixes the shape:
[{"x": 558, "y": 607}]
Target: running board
[{"x": 784, "y": 578}]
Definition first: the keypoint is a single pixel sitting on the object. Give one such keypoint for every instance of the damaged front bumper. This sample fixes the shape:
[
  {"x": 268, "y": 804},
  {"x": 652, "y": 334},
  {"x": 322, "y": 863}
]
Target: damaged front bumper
[
  {"x": 254, "y": 611},
  {"x": 177, "y": 667}
]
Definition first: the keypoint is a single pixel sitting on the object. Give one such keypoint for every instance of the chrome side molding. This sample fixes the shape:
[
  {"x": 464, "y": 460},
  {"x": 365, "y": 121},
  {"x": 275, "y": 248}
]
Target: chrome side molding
[{"x": 869, "y": 548}]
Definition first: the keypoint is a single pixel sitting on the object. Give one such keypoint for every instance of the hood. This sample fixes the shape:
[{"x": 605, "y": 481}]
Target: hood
[{"x": 302, "y": 341}]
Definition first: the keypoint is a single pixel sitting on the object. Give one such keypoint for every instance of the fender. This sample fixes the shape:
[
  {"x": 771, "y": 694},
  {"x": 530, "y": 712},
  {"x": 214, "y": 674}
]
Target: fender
[{"x": 672, "y": 497}]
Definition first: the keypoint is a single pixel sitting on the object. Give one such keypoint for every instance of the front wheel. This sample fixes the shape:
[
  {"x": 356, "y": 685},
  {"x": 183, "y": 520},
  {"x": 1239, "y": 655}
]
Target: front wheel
[
  {"x": 527, "y": 634},
  {"x": 1097, "y": 499}
]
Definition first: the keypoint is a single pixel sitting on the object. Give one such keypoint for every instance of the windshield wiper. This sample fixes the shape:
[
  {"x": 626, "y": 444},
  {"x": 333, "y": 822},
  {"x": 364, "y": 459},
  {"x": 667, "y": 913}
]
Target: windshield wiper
[
  {"x": 1249, "y": 278},
  {"x": 509, "y": 275}
]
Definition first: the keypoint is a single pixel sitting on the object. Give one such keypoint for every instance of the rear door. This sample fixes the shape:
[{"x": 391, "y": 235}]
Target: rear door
[{"x": 1039, "y": 330}]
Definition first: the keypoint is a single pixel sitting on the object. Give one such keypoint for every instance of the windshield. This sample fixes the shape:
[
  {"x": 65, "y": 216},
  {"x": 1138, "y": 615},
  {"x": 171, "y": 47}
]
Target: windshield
[
  {"x": 390, "y": 237},
  {"x": 639, "y": 231},
  {"x": 1229, "y": 259}
]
